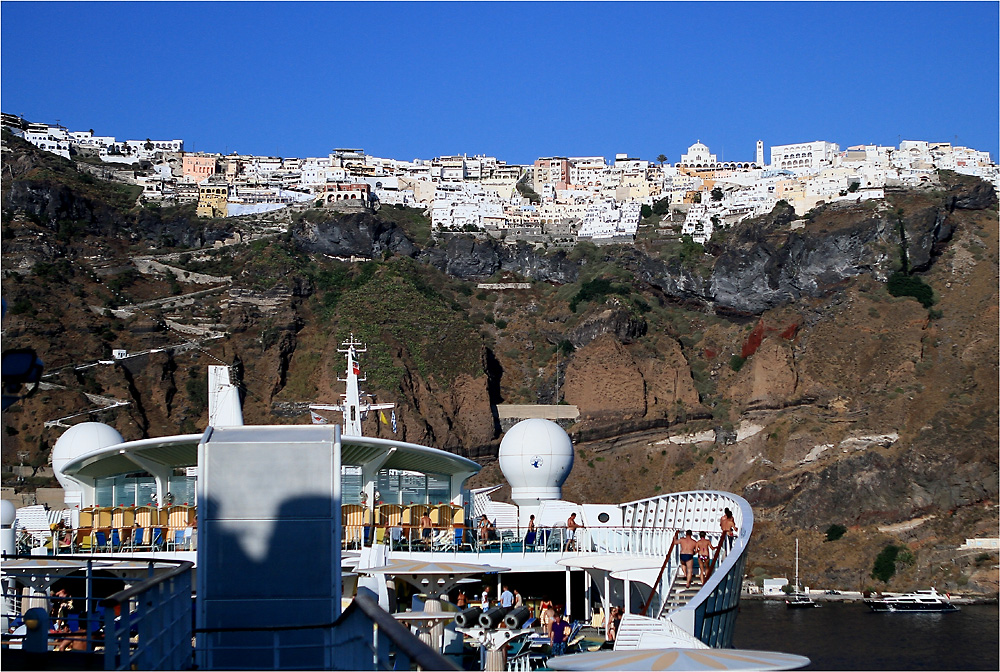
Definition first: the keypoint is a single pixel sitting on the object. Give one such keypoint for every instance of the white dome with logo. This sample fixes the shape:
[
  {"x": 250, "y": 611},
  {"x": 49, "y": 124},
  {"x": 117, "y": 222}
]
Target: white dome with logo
[{"x": 536, "y": 457}]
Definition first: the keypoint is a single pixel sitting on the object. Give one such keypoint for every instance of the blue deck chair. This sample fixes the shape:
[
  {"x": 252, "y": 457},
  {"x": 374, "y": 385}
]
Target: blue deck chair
[
  {"x": 136, "y": 541},
  {"x": 116, "y": 540},
  {"x": 156, "y": 538},
  {"x": 177, "y": 541},
  {"x": 100, "y": 541}
]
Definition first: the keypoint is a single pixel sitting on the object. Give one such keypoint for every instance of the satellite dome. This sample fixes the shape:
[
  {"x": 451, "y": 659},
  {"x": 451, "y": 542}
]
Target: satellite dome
[
  {"x": 79, "y": 440},
  {"x": 536, "y": 456},
  {"x": 8, "y": 512}
]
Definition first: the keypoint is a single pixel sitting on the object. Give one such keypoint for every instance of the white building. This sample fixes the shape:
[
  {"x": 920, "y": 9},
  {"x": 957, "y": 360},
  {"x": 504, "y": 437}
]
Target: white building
[
  {"x": 466, "y": 206},
  {"x": 53, "y": 139},
  {"x": 147, "y": 149},
  {"x": 605, "y": 219},
  {"x": 698, "y": 222},
  {"x": 587, "y": 171},
  {"x": 698, "y": 155},
  {"x": 807, "y": 155}
]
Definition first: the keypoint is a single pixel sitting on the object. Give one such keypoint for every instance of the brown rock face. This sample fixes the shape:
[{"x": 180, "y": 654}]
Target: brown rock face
[
  {"x": 769, "y": 379},
  {"x": 603, "y": 380},
  {"x": 607, "y": 380},
  {"x": 668, "y": 381}
]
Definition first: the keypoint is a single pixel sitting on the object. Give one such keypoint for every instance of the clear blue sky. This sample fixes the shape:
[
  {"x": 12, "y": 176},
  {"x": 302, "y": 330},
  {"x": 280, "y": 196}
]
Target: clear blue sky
[{"x": 514, "y": 80}]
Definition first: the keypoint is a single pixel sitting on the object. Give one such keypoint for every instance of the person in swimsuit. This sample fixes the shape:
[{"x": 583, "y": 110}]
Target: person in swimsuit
[
  {"x": 688, "y": 548},
  {"x": 529, "y": 537},
  {"x": 571, "y": 531},
  {"x": 484, "y": 529},
  {"x": 729, "y": 529},
  {"x": 704, "y": 547}
]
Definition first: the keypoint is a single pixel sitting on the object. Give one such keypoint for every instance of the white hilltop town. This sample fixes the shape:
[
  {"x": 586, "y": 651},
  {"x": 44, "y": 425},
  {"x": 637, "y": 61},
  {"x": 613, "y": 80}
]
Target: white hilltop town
[{"x": 555, "y": 199}]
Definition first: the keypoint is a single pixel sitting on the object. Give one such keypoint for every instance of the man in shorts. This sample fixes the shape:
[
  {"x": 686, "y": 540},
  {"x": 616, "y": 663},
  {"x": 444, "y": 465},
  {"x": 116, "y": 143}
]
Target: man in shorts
[
  {"x": 558, "y": 634},
  {"x": 688, "y": 549},
  {"x": 571, "y": 531}
]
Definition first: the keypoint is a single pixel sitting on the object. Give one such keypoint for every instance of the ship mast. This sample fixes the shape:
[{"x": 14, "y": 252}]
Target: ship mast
[
  {"x": 797, "y": 566},
  {"x": 352, "y": 407}
]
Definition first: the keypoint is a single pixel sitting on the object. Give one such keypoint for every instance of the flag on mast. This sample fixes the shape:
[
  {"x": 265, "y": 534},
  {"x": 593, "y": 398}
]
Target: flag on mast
[
  {"x": 394, "y": 421},
  {"x": 381, "y": 416},
  {"x": 318, "y": 419}
]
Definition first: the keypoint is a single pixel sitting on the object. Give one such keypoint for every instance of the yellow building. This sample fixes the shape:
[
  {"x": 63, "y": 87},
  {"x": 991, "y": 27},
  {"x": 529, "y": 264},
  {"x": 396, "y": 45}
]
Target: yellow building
[{"x": 212, "y": 199}]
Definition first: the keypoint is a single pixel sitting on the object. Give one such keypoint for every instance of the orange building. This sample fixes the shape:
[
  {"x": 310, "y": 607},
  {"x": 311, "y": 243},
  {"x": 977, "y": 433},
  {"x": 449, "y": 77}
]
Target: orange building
[{"x": 199, "y": 166}]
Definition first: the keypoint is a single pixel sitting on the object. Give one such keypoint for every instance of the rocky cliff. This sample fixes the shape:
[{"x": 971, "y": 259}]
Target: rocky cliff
[{"x": 778, "y": 365}]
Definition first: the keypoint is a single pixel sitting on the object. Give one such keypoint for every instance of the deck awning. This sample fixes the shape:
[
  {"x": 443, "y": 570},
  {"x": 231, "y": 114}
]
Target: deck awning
[{"x": 182, "y": 451}]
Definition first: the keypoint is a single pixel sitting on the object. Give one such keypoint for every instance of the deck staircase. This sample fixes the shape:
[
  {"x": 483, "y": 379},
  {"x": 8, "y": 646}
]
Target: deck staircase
[{"x": 679, "y": 596}]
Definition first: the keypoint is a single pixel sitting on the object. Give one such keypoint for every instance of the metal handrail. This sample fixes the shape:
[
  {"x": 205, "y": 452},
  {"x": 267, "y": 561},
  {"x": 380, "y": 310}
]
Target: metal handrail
[
  {"x": 399, "y": 636},
  {"x": 164, "y": 621},
  {"x": 124, "y": 595}
]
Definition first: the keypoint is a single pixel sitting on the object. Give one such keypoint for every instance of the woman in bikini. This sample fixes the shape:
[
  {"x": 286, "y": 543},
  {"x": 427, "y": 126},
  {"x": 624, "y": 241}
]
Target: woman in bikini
[{"x": 704, "y": 548}]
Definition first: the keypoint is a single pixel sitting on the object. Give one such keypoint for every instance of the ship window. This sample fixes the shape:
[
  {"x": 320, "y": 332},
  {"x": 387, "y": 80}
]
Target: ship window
[{"x": 603, "y": 517}]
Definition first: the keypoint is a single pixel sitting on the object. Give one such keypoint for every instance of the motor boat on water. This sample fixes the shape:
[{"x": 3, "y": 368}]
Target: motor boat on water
[
  {"x": 799, "y": 601},
  {"x": 920, "y": 601}
]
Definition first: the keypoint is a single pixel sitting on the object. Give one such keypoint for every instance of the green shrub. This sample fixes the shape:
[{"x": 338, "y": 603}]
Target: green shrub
[
  {"x": 736, "y": 362},
  {"x": 596, "y": 289},
  {"x": 197, "y": 389},
  {"x": 835, "y": 532},
  {"x": 690, "y": 250},
  {"x": 900, "y": 284},
  {"x": 662, "y": 206},
  {"x": 885, "y": 564}
]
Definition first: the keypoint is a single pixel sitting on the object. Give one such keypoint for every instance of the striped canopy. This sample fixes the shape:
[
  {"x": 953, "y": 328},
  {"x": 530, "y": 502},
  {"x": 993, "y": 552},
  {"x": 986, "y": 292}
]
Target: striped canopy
[{"x": 680, "y": 659}]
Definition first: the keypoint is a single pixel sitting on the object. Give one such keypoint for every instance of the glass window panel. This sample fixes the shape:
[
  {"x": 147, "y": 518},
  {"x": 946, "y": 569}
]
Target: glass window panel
[
  {"x": 146, "y": 490},
  {"x": 104, "y": 495},
  {"x": 351, "y": 485},
  {"x": 124, "y": 491},
  {"x": 183, "y": 489}
]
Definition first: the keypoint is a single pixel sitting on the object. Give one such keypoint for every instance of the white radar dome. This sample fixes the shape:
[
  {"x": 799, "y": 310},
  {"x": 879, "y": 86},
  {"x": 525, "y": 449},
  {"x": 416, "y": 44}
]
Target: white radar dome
[
  {"x": 8, "y": 512},
  {"x": 79, "y": 440},
  {"x": 536, "y": 456}
]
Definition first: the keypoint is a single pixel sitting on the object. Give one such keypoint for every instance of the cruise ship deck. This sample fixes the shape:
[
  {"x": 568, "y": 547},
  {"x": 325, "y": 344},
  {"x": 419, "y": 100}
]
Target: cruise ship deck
[{"x": 290, "y": 504}]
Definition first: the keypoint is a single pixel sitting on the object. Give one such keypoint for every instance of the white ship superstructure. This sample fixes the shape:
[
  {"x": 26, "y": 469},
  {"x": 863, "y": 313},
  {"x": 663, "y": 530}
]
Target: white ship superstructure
[{"x": 262, "y": 491}]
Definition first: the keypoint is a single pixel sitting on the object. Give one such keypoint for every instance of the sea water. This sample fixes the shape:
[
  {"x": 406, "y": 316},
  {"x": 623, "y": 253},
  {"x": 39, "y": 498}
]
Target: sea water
[{"x": 849, "y": 636}]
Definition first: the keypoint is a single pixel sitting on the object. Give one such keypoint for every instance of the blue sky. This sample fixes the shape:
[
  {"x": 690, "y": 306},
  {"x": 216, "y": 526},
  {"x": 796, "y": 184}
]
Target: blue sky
[{"x": 513, "y": 80}]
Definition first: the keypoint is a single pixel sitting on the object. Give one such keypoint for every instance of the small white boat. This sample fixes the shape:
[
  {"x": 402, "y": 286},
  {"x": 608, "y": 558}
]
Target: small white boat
[{"x": 921, "y": 600}]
